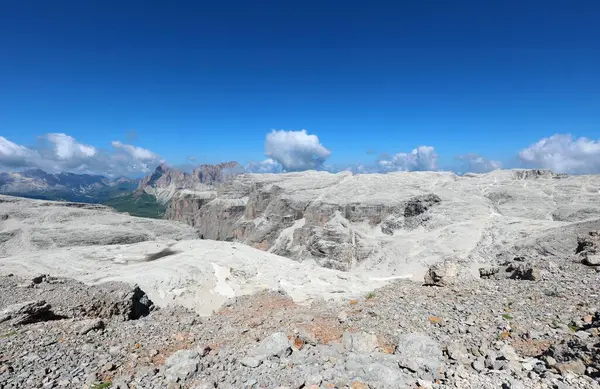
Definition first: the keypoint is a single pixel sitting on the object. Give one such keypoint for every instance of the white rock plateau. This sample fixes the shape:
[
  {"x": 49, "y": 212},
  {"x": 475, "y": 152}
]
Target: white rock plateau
[
  {"x": 74, "y": 240},
  {"x": 303, "y": 226}
]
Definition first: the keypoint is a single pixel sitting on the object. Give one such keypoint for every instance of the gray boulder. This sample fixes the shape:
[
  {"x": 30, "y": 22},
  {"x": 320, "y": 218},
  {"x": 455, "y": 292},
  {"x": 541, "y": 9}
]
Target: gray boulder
[
  {"x": 419, "y": 353},
  {"x": 27, "y": 312},
  {"x": 524, "y": 272},
  {"x": 275, "y": 345},
  {"x": 378, "y": 370},
  {"x": 447, "y": 273},
  {"x": 181, "y": 365},
  {"x": 359, "y": 342}
]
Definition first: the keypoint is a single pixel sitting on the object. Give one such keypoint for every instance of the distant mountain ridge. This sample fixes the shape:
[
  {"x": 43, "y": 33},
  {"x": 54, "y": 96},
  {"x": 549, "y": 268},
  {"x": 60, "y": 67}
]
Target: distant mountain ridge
[
  {"x": 165, "y": 181},
  {"x": 147, "y": 197},
  {"x": 86, "y": 188}
]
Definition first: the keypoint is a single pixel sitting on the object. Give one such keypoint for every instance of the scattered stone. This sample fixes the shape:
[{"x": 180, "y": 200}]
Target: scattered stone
[
  {"x": 251, "y": 361},
  {"x": 575, "y": 367},
  {"x": 446, "y": 274},
  {"x": 27, "y": 312},
  {"x": 487, "y": 272},
  {"x": 275, "y": 345},
  {"x": 524, "y": 272},
  {"x": 90, "y": 325},
  {"x": 360, "y": 342},
  {"x": 479, "y": 364},
  {"x": 420, "y": 354},
  {"x": 181, "y": 365},
  {"x": 458, "y": 352}
]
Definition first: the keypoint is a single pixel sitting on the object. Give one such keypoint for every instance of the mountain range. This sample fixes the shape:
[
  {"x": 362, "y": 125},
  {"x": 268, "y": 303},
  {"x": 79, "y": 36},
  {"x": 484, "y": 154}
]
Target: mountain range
[{"x": 147, "y": 197}]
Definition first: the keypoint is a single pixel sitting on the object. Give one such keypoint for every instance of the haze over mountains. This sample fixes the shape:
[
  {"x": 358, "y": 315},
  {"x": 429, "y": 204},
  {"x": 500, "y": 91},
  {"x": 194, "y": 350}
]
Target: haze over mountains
[{"x": 86, "y": 188}]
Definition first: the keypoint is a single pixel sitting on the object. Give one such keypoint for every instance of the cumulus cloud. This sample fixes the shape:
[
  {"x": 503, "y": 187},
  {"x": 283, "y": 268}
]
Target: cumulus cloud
[
  {"x": 269, "y": 165},
  {"x": 137, "y": 153},
  {"x": 475, "y": 163},
  {"x": 562, "y": 153},
  {"x": 57, "y": 151},
  {"x": 295, "y": 150},
  {"x": 419, "y": 159},
  {"x": 61, "y": 152},
  {"x": 13, "y": 155}
]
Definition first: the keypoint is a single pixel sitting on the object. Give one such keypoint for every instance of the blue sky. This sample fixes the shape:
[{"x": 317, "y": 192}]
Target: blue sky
[{"x": 212, "y": 79}]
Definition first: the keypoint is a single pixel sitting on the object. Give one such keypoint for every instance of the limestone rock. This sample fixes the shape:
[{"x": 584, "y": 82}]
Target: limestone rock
[
  {"x": 27, "y": 312},
  {"x": 419, "y": 353},
  {"x": 360, "y": 342},
  {"x": 90, "y": 325},
  {"x": 575, "y": 367},
  {"x": 446, "y": 273},
  {"x": 181, "y": 365},
  {"x": 524, "y": 272},
  {"x": 274, "y": 345}
]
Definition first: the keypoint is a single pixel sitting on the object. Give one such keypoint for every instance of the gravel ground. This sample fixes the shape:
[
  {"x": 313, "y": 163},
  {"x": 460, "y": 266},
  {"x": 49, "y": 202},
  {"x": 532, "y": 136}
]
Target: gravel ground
[{"x": 484, "y": 333}]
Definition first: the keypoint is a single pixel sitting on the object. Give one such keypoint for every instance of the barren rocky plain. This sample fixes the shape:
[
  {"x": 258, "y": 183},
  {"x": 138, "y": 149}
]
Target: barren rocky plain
[{"x": 309, "y": 280}]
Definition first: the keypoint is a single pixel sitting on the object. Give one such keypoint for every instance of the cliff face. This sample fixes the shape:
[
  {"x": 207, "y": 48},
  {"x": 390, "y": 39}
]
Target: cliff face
[
  {"x": 394, "y": 223},
  {"x": 292, "y": 215},
  {"x": 165, "y": 182}
]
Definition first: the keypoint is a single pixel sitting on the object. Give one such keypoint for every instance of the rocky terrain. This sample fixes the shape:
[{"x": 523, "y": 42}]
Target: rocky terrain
[
  {"x": 503, "y": 286},
  {"x": 495, "y": 332},
  {"x": 388, "y": 224},
  {"x": 165, "y": 182}
]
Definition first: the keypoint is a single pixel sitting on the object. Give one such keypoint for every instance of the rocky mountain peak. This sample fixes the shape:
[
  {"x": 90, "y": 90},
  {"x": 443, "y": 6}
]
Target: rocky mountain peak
[
  {"x": 210, "y": 174},
  {"x": 165, "y": 181}
]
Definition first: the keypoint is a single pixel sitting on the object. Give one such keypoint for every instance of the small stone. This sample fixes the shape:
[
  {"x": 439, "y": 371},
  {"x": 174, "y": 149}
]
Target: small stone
[
  {"x": 458, "y": 352},
  {"x": 108, "y": 367},
  {"x": 419, "y": 353},
  {"x": 251, "y": 362},
  {"x": 424, "y": 384},
  {"x": 359, "y": 342},
  {"x": 582, "y": 334},
  {"x": 508, "y": 353},
  {"x": 343, "y": 317},
  {"x": 181, "y": 365},
  {"x": 90, "y": 325},
  {"x": 277, "y": 345},
  {"x": 575, "y": 367},
  {"x": 550, "y": 361},
  {"x": 479, "y": 364}
]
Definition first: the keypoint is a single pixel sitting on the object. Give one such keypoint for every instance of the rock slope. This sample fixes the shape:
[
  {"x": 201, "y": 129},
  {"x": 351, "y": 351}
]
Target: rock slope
[
  {"x": 495, "y": 332},
  {"x": 165, "y": 182},
  {"x": 28, "y": 226},
  {"x": 388, "y": 224},
  {"x": 94, "y": 244}
]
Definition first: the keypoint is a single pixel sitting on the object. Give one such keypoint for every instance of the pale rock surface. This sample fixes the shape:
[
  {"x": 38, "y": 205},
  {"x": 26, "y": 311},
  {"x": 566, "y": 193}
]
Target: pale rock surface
[
  {"x": 82, "y": 242},
  {"x": 395, "y": 224},
  {"x": 37, "y": 225}
]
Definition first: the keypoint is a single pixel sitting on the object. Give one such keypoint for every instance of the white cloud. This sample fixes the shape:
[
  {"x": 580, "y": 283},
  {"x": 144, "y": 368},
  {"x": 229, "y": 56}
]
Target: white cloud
[
  {"x": 15, "y": 156},
  {"x": 295, "y": 150},
  {"x": 67, "y": 148},
  {"x": 269, "y": 165},
  {"x": 562, "y": 153},
  {"x": 137, "y": 153},
  {"x": 475, "y": 163},
  {"x": 61, "y": 152},
  {"x": 419, "y": 159}
]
